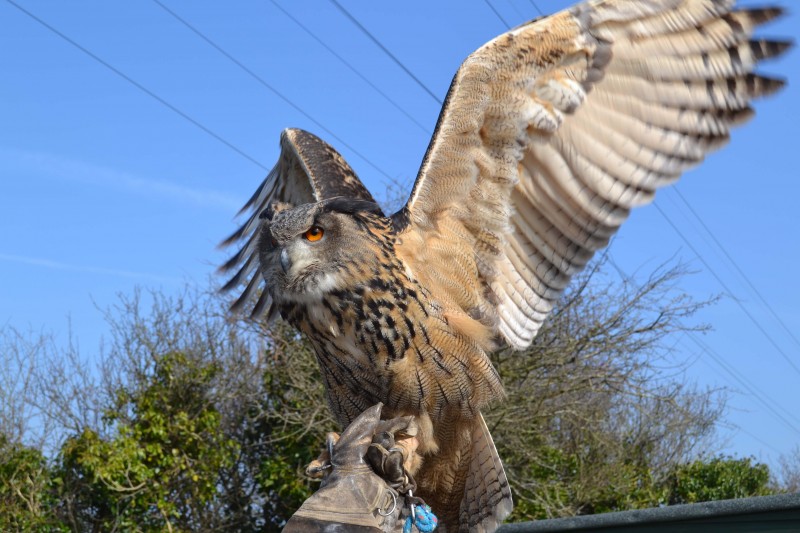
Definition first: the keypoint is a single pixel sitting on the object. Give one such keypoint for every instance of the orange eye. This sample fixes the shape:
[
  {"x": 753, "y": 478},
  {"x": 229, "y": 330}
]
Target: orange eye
[{"x": 314, "y": 233}]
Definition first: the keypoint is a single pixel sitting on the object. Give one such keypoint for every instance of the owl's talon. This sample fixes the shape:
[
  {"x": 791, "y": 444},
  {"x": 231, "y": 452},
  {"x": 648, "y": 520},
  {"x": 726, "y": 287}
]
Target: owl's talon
[{"x": 317, "y": 469}]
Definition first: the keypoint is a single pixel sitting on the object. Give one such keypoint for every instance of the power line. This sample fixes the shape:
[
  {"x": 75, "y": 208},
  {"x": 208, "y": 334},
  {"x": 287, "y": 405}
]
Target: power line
[
  {"x": 496, "y": 12},
  {"x": 141, "y": 87},
  {"x": 352, "y": 68},
  {"x": 520, "y": 14},
  {"x": 734, "y": 427},
  {"x": 541, "y": 13},
  {"x": 729, "y": 291},
  {"x": 763, "y": 398},
  {"x": 754, "y": 391},
  {"x": 263, "y": 82},
  {"x": 736, "y": 266},
  {"x": 743, "y": 380},
  {"x": 385, "y": 50}
]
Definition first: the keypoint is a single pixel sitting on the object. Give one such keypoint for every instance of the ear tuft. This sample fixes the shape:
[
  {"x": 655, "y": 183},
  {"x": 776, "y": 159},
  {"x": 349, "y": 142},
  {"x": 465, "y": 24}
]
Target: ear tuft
[{"x": 351, "y": 206}]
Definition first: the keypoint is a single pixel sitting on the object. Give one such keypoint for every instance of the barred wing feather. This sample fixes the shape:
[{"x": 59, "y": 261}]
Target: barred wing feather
[{"x": 554, "y": 131}]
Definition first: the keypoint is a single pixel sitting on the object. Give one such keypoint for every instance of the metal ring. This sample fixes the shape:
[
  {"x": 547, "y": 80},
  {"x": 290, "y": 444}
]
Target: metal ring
[{"x": 394, "y": 505}]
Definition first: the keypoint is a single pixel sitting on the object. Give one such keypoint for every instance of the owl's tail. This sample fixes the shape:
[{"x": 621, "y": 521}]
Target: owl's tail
[
  {"x": 464, "y": 481},
  {"x": 487, "y": 496}
]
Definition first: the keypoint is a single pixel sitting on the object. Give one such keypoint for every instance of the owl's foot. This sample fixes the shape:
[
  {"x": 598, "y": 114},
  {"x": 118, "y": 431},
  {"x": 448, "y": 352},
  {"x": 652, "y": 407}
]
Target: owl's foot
[{"x": 393, "y": 452}]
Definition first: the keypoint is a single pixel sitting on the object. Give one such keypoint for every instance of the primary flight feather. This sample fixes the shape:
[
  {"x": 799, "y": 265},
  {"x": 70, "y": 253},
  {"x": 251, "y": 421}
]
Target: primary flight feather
[{"x": 551, "y": 133}]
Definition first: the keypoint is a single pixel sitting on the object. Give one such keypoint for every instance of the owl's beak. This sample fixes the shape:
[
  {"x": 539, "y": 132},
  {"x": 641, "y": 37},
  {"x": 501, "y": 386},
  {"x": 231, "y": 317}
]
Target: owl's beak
[{"x": 286, "y": 263}]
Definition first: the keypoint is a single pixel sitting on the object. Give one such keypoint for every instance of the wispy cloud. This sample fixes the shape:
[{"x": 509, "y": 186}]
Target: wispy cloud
[
  {"x": 47, "y": 263},
  {"x": 66, "y": 168}
]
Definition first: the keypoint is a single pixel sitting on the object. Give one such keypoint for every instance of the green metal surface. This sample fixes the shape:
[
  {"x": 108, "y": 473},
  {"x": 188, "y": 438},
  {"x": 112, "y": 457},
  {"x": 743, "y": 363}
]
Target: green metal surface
[{"x": 766, "y": 514}]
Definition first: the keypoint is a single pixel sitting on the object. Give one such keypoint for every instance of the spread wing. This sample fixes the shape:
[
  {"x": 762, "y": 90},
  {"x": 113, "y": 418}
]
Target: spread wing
[
  {"x": 553, "y": 131},
  {"x": 308, "y": 170}
]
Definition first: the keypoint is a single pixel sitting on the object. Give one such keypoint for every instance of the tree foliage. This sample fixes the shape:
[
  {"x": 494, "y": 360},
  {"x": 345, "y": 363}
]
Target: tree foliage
[
  {"x": 718, "y": 478},
  {"x": 158, "y": 471},
  {"x": 200, "y": 430},
  {"x": 27, "y": 490},
  {"x": 193, "y": 422}
]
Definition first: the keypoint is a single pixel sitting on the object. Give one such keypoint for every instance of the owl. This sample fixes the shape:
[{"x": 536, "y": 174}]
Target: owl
[{"x": 550, "y": 134}]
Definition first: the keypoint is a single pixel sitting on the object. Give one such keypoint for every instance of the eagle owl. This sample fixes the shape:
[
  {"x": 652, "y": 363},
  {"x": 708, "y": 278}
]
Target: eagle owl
[{"x": 550, "y": 134}]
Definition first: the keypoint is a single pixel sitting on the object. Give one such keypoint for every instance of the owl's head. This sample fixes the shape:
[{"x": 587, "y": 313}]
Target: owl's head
[{"x": 310, "y": 250}]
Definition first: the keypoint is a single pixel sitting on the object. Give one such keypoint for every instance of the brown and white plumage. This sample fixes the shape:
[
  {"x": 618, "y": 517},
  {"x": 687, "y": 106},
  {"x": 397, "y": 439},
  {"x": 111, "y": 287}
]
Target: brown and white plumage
[
  {"x": 550, "y": 134},
  {"x": 554, "y": 131},
  {"x": 291, "y": 181}
]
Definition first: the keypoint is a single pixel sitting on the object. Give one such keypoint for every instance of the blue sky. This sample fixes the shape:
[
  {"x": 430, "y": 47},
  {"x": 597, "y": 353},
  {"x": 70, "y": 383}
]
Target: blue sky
[{"x": 103, "y": 188}]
